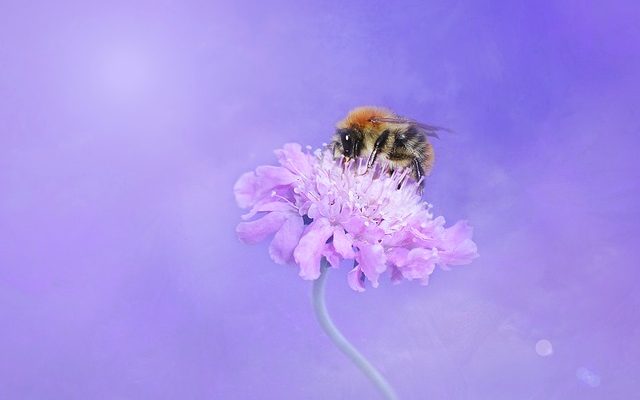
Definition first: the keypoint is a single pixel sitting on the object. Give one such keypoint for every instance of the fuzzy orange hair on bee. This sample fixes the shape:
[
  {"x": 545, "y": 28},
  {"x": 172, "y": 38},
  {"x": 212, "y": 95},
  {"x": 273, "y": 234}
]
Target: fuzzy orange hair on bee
[{"x": 380, "y": 134}]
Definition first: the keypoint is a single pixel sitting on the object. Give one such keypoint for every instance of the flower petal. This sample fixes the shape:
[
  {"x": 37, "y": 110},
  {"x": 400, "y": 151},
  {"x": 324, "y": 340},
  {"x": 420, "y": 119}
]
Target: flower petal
[
  {"x": 331, "y": 255},
  {"x": 271, "y": 176},
  {"x": 397, "y": 256},
  {"x": 355, "y": 278},
  {"x": 293, "y": 158},
  {"x": 269, "y": 204},
  {"x": 462, "y": 254},
  {"x": 372, "y": 261},
  {"x": 286, "y": 240},
  {"x": 309, "y": 251},
  {"x": 251, "y": 187},
  {"x": 342, "y": 243},
  {"x": 396, "y": 275},
  {"x": 420, "y": 264},
  {"x": 253, "y": 232},
  {"x": 458, "y": 232},
  {"x": 458, "y": 248},
  {"x": 245, "y": 190}
]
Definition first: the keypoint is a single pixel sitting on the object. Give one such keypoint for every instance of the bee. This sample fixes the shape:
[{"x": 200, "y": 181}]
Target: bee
[{"x": 380, "y": 134}]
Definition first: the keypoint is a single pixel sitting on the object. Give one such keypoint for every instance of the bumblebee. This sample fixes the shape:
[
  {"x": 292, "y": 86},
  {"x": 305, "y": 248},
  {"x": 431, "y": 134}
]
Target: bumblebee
[{"x": 380, "y": 134}]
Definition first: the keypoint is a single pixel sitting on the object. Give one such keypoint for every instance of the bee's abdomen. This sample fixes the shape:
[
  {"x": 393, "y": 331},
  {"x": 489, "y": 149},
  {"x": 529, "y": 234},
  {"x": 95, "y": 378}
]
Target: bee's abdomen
[{"x": 428, "y": 158}]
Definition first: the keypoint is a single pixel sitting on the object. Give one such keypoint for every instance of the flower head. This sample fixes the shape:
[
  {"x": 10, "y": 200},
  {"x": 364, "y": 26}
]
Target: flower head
[{"x": 315, "y": 206}]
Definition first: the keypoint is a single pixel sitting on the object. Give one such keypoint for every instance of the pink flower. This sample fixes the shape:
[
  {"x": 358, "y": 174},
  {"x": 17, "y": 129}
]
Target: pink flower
[{"x": 314, "y": 206}]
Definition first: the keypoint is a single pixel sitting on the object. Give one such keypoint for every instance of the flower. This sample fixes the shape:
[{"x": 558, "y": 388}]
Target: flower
[{"x": 317, "y": 207}]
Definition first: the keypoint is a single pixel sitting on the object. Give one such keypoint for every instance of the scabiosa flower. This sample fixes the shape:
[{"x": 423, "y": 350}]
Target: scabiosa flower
[{"x": 317, "y": 207}]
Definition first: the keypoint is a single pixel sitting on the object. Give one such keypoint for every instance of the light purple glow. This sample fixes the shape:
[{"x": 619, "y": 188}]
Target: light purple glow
[{"x": 124, "y": 126}]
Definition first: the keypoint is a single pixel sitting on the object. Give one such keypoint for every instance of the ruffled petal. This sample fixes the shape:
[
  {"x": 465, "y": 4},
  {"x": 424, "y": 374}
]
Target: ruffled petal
[
  {"x": 419, "y": 265},
  {"x": 397, "y": 256},
  {"x": 246, "y": 190},
  {"x": 252, "y": 187},
  {"x": 372, "y": 233},
  {"x": 428, "y": 233},
  {"x": 286, "y": 240},
  {"x": 331, "y": 255},
  {"x": 396, "y": 275},
  {"x": 293, "y": 158},
  {"x": 343, "y": 243},
  {"x": 269, "y": 204},
  {"x": 458, "y": 248},
  {"x": 372, "y": 261},
  {"x": 354, "y": 226},
  {"x": 309, "y": 251},
  {"x": 355, "y": 278},
  {"x": 457, "y": 233},
  {"x": 271, "y": 176},
  {"x": 253, "y": 232},
  {"x": 363, "y": 229},
  {"x": 463, "y": 254},
  {"x": 400, "y": 238}
]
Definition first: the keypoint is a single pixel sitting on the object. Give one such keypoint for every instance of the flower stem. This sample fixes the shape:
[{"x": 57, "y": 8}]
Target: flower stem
[{"x": 341, "y": 342}]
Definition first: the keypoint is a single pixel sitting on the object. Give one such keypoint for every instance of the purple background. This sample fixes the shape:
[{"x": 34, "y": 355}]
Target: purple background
[{"x": 123, "y": 128}]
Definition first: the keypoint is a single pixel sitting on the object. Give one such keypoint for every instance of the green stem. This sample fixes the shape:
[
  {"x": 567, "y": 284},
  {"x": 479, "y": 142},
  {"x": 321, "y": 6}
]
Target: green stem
[{"x": 343, "y": 344}]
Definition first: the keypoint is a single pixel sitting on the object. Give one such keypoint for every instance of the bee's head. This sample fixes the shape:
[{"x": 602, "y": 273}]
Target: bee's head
[{"x": 350, "y": 141}]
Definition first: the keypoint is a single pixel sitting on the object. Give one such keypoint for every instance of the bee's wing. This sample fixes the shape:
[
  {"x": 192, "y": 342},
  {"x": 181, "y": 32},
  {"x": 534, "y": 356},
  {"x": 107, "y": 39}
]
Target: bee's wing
[{"x": 429, "y": 130}]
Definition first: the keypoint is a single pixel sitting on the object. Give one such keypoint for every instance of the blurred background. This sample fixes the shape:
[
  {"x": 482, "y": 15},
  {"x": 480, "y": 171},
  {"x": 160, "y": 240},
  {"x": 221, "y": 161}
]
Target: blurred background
[{"x": 124, "y": 125}]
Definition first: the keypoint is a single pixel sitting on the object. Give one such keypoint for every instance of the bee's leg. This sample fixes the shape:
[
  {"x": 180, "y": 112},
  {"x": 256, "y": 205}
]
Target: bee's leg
[
  {"x": 417, "y": 169},
  {"x": 336, "y": 148},
  {"x": 419, "y": 172},
  {"x": 356, "y": 148},
  {"x": 379, "y": 144}
]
